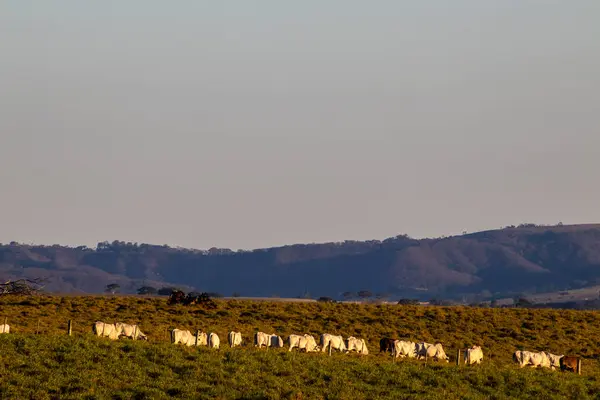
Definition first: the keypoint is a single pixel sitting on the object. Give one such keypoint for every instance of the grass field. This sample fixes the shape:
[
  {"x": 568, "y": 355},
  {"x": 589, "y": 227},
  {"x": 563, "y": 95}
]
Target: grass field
[{"x": 53, "y": 365}]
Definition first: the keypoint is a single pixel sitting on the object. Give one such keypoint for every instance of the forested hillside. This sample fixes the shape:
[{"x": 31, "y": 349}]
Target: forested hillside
[{"x": 501, "y": 262}]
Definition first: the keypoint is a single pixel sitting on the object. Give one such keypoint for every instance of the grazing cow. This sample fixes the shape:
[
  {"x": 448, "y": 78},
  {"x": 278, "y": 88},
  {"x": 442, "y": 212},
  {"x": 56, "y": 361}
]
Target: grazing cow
[
  {"x": 428, "y": 350},
  {"x": 202, "y": 338},
  {"x": 4, "y": 328},
  {"x": 213, "y": 341},
  {"x": 334, "y": 342},
  {"x": 357, "y": 345},
  {"x": 405, "y": 349},
  {"x": 554, "y": 360},
  {"x": 524, "y": 358},
  {"x": 130, "y": 331},
  {"x": 275, "y": 341},
  {"x": 183, "y": 337},
  {"x": 102, "y": 329},
  {"x": 474, "y": 355},
  {"x": 234, "y": 339},
  {"x": 261, "y": 339},
  {"x": 303, "y": 342},
  {"x": 568, "y": 363},
  {"x": 386, "y": 344}
]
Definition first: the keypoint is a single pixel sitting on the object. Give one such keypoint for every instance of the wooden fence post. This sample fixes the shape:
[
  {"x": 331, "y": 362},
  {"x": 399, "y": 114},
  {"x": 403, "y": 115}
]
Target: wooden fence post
[
  {"x": 134, "y": 331},
  {"x": 4, "y": 326},
  {"x": 579, "y": 366},
  {"x": 197, "y": 334},
  {"x": 458, "y": 357},
  {"x": 70, "y": 328},
  {"x": 329, "y": 349}
]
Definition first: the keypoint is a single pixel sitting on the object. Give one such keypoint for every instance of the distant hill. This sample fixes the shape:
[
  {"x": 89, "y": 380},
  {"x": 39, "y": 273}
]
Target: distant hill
[{"x": 506, "y": 262}]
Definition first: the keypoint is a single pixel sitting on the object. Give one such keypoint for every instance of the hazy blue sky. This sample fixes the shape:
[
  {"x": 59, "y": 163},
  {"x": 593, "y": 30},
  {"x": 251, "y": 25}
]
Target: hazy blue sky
[{"x": 248, "y": 124}]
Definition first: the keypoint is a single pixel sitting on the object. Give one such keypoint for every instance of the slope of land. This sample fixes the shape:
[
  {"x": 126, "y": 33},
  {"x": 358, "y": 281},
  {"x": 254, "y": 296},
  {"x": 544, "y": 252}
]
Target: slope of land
[
  {"x": 53, "y": 365},
  {"x": 503, "y": 262}
]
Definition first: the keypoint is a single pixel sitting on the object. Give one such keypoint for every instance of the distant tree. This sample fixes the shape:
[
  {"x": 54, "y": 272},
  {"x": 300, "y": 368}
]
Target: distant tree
[
  {"x": 166, "y": 291},
  {"x": 348, "y": 295},
  {"x": 363, "y": 294},
  {"x": 112, "y": 288},
  {"x": 408, "y": 302},
  {"x": 523, "y": 302},
  {"x": 147, "y": 290}
]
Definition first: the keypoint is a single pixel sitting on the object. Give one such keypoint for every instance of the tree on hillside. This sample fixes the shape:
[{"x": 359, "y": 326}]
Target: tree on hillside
[
  {"x": 147, "y": 290},
  {"x": 112, "y": 288}
]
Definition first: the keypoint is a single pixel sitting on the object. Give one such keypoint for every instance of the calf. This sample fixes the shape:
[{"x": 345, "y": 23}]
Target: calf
[{"x": 568, "y": 363}]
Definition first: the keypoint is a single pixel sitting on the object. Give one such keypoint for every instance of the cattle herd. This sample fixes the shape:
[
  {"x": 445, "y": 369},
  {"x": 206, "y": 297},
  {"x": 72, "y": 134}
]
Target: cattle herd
[{"x": 328, "y": 342}]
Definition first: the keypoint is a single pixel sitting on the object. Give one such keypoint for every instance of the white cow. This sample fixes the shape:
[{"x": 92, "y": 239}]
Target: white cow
[
  {"x": 275, "y": 341},
  {"x": 357, "y": 345},
  {"x": 554, "y": 360},
  {"x": 335, "y": 342},
  {"x": 261, "y": 339},
  {"x": 102, "y": 329},
  {"x": 4, "y": 328},
  {"x": 130, "y": 331},
  {"x": 524, "y": 358},
  {"x": 428, "y": 350},
  {"x": 183, "y": 337},
  {"x": 405, "y": 349},
  {"x": 474, "y": 355},
  {"x": 202, "y": 338},
  {"x": 234, "y": 339},
  {"x": 303, "y": 342},
  {"x": 213, "y": 341}
]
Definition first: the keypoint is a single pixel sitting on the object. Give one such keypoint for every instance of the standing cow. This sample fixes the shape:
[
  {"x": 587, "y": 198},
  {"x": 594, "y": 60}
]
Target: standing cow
[
  {"x": 386, "y": 344},
  {"x": 303, "y": 342},
  {"x": 111, "y": 331},
  {"x": 525, "y": 358},
  {"x": 554, "y": 360},
  {"x": 333, "y": 342},
  {"x": 131, "y": 331},
  {"x": 234, "y": 339},
  {"x": 404, "y": 348},
  {"x": 435, "y": 351},
  {"x": 568, "y": 363},
  {"x": 213, "y": 341},
  {"x": 358, "y": 345},
  {"x": 184, "y": 337},
  {"x": 474, "y": 355}
]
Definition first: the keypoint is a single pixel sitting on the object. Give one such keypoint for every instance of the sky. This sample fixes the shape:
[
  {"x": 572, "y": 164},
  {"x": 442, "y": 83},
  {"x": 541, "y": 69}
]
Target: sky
[{"x": 244, "y": 125}]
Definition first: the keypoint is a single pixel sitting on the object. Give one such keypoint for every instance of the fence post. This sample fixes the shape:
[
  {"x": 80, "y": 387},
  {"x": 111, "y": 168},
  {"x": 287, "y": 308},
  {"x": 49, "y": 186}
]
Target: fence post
[
  {"x": 70, "y": 328},
  {"x": 4, "y": 326},
  {"x": 329, "y": 349},
  {"x": 579, "y": 366},
  {"x": 37, "y": 328},
  {"x": 134, "y": 331},
  {"x": 458, "y": 357},
  {"x": 197, "y": 334}
]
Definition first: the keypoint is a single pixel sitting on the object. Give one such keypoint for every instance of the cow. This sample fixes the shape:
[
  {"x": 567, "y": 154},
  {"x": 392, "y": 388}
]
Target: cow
[
  {"x": 333, "y": 342},
  {"x": 404, "y": 349},
  {"x": 386, "y": 344},
  {"x": 213, "y": 341},
  {"x": 428, "y": 350},
  {"x": 524, "y": 358},
  {"x": 474, "y": 355},
  {"x": 568, "y": 363},
  {"x": 183, "y": 337},
  {"x": 358, "y": 345},
  {"x": 234, "y": 339},
  {"x": 303, "y": 342},
  {"x": 261, "y": 339},
  {"x": 102, "y": 329},
  {"x": 275, "y": 341},
  {"x": 4, "y": 328},
  {"x": 554, "y": 360},
  {"x": 130, "y": 331},
  {"x": 202, "y": 338}
]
